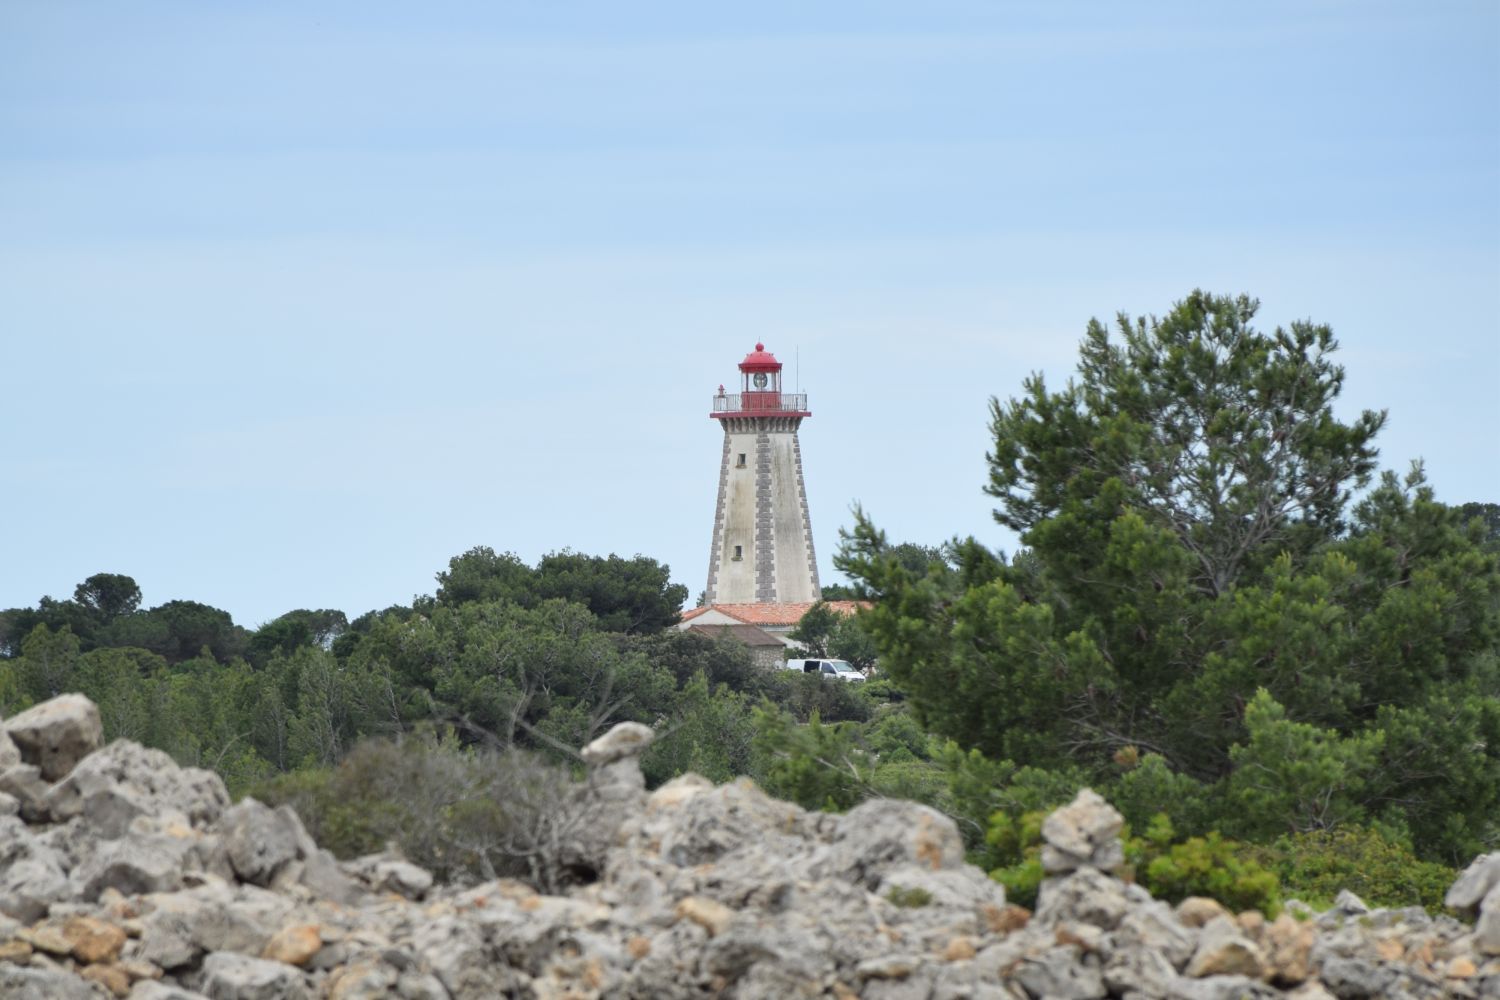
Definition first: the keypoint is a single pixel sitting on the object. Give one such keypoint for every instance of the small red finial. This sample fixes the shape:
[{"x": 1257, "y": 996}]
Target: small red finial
[
  {"x": 759, "y": 346},
  {"x": 721, "y": 389}
]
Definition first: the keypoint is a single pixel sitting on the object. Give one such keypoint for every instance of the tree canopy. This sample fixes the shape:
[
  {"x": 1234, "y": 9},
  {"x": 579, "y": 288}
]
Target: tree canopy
[
  {"x": 1196, "y": 588},
  {"x": 634, "y": 595}
]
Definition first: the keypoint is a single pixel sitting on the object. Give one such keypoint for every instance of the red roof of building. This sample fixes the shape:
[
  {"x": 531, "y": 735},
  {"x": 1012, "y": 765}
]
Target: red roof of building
[{"x": 773, "y": 614}]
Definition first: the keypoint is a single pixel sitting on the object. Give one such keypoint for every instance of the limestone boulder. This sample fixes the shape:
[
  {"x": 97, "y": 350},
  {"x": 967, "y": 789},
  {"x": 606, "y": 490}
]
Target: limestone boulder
[
  {"x": 110, "y": 788},
  {"x": 260, "y": 841},
  {"x": 147, "y": 989},
  {"x": 1086, "y": 896},
  {"x": 1474, "y": 883},
  {"x": 458, "y": 955},
  {"x": 1058, "y": 972},
  {"x": 1145, "y": 971},
  {"x": 1357, "y": 977},
  {"x": 136, "y": 863},
  {"x": 882, "y": 835},
  {"x": 1199, "y": 911},
  {"x": 390, "y": 873},
  {"x": 231, "y": 976},
  {"x": 32, "y": 876},
  {"x": 321, "y": 874},
  {"x": 176, "y": 928},
  {"x": 19, "y": 982},
  {"x": 596, "y": 814},
  {"x": 1225, "y": 987},
  {"x": 1150, "y": 925},
  {"x": 1487, "y": 927},
  {"x": 57, "y": 734},
  {"x": 24, "y": 783},
  {"x": 1223, "y": 950},
  {"x": 10, "y": 756},
  {"x": 93, "y": 940},
  {"x": 1288, "y": 945},
  {"x": 627, "y": 739},
  {"x": 686, "y": 824},
  {"x": 1084, "y": 832}
]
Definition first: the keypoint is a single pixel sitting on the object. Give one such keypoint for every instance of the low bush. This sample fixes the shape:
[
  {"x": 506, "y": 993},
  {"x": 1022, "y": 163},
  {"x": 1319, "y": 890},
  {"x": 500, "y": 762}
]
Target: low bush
[
  {"x": 463, "y": 814},
  {"x": 1381, "y": 870},
  {"x": 806, "y": 695},
  {"x": 1201, "y": 866},
  {"x": 1015, "y": 845}
]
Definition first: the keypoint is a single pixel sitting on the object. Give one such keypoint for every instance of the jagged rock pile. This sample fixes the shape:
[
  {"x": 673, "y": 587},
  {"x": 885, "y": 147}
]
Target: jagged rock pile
[{"x": 124, "y": 875}]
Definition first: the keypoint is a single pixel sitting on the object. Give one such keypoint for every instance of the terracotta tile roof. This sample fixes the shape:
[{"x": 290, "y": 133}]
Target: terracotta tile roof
[
  {"x": 747, "y": 634},
  {"x": 774, "y": 614}
]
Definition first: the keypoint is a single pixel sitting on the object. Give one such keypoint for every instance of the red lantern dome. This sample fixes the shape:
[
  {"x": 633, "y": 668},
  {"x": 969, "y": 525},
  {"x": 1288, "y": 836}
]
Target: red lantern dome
[{"x": 760, "y": 360}]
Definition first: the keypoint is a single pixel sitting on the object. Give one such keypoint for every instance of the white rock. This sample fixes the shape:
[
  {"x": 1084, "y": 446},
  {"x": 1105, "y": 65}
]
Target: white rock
[
  {"x": 20, "y": 983},
  {"x": 10, "y": 756},
  {"x": 228, "y": 976},
  {"x": 627, "y": 739},
  {"x": 1153, "y": 926},
  {"x": 112, "y": 787},
  {"x": 882, "y": 835},
  {"x": 1084, "y": 832},
  {"x": 150, "y": 989},
  {"x": 24, "y": 783},
  {"x": 1349, "y": 904},
  {"x": 260, "y": 841},
  {"x": 1086, "y": 896},
  {"x": 1474, "y": 882},
  {"x": 402, "y": 877},
  {"x": 1223, "y": 950},
  {"x": 1487, "y": 927},
  {"x": 133, "y": 864},
  {"x": 57, "y": 734},
  {"x": 32, "y": 877}
]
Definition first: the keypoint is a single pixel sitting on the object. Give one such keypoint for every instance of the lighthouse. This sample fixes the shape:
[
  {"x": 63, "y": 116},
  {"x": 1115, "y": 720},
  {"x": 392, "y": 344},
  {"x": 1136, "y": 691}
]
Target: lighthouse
[{"x": 762, "y": 547}]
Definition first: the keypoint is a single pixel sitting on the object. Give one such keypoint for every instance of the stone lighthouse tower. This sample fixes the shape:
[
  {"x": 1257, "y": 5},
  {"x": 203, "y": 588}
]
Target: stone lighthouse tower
[{"x": 763, "y": 547}]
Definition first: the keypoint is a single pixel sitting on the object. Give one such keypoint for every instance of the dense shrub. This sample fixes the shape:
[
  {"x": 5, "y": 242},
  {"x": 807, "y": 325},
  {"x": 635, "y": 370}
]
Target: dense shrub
[
  {"x": 806, "y": 695},
  {"x": 1382, "y": 871},
  {"x": 1015, "y": 845},
  {"x": 1201, "y": 866},
  {"x": 815, "y": 765},
  {"x": 711, "y": 733},
  {"x": 461, "y": 813}
]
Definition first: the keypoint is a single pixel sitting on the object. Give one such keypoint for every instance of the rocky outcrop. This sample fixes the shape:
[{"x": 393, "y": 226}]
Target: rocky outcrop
[
  {"x": 1477, "y": 891},
  {"x": 126, "y": 876},
  {"x": 56, "y": 734}
]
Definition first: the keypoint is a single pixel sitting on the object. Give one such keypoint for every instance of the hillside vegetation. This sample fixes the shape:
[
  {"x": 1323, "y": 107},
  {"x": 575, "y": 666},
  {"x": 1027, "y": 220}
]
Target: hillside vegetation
[{"x": 1280, "y": 664}]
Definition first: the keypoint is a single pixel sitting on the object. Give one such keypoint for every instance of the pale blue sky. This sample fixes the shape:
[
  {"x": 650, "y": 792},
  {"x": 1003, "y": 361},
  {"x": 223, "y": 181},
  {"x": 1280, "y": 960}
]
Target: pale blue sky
[{"x": 298, "y": 300}]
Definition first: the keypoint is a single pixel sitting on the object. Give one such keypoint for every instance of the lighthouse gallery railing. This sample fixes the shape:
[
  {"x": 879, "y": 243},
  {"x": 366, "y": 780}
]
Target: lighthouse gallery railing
[{"x": 760, "y": 402}]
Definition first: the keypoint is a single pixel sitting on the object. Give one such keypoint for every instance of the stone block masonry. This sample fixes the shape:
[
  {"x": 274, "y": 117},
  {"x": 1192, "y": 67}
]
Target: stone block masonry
[{"x": 762, "y": 540}]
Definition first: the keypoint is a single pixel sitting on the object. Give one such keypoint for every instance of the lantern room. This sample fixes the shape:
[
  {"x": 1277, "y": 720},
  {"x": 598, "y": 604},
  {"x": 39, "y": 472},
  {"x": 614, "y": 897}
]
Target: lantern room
[
  {"x": 760, "y": 372},
  {"x": 760, "y": 390}
]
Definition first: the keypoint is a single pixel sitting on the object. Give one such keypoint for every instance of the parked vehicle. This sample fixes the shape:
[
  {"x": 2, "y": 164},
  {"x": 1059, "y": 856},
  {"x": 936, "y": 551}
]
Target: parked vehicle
[{"x": 840, "y": 669}]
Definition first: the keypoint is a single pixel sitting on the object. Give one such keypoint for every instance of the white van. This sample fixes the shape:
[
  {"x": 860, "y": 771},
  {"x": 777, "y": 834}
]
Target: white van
[{"x": 840, "y": 669}]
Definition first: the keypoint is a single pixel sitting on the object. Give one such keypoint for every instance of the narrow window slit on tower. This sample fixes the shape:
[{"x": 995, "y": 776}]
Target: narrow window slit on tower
[
  {"x": 741, "y": 463},
  {"x": 739, "y": 552}
]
